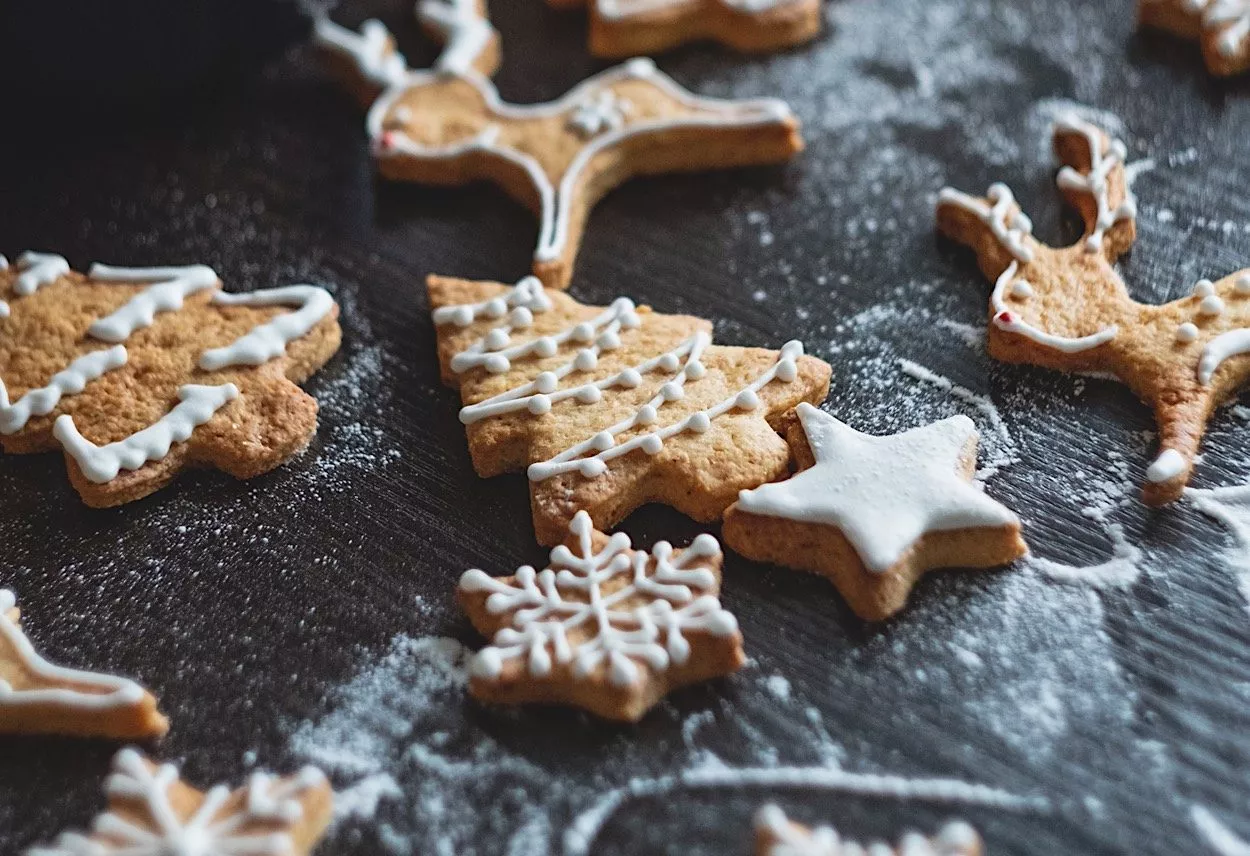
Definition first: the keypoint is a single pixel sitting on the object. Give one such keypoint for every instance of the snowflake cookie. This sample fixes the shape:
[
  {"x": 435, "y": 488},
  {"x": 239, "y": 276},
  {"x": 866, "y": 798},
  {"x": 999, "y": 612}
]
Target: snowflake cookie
[
  {"x": 37, "y": 697},
  {"x": 776, "y": 835},
  {"x": 602, "y": 627},
  {"x": 610, "y": 408},
  {"x": 448, "y": 126},
  {"x": 624, "y": 28},
  {"x": 1068, "y": 309},
  {"x": 153, "y": 813},
  {"x": 875, "y": 513},
  {"x": 138, "y": 373},
  {"x": 1222, "y": 27}
]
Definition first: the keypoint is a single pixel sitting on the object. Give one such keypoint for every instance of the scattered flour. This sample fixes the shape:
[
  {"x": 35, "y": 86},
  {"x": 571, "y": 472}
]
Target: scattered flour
[
  {"x": 1220, "y": 838},
  {"x": 1231, "y": 507},
  {"x": 1120, "y": 571}
]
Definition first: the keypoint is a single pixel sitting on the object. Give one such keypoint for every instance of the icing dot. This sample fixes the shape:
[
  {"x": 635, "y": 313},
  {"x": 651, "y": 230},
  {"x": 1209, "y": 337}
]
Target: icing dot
[
  {"x": 699, "y": 422},
  {"x": 651, "y": 444},
  {"x": 583, "y": 332},
  {"x": 495, "y": 307},
  {"x": 546, "y": 382},
  {"x": 1204, "y": 288},
  {"x": 695, "y": 370},
  {"x": 747, "y": 400},
  {"x": 496, "y": 338},
  {"x": 787, "y": 371},
  {"x": 589, "y": 395},
  {"x": 545, "y": 347},
  {"x": 462, "y": 316},
  {"x": 497, "y": 364},
  {"x": 629, "y": 378},
  {"x": 646, "y": 415},
  {"x": 672, "y": 391},
  {"x": 521, "y": 317},
  {"x": 585, "y": 360},
  {"x": 592, "y": 467},
  {"x": 630, "y": 321},
  {"x": 1021, "y": 288},
  {"x": 608, "y": 341},
  {"x": 1242, "y": 286},
  {"x": 1186, "y": 332},
  {"x": 1211, "y": 305},
  {"x": 539, "y": 405},
  {"x": 669, "y": 362},
  {"x": 602, "y": 441}
]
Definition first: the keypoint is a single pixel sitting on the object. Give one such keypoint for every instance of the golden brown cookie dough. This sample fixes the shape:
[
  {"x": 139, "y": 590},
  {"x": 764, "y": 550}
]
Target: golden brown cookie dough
[
  {"x": 1068, "y": 309},
  {"x": 610, "y": 408},
  {"x": 1221, "y": 27}
]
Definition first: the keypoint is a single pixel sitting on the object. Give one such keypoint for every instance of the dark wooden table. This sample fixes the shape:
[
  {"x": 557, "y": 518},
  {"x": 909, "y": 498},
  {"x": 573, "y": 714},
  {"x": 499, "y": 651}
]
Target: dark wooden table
[{"x": 290, "y": 618}]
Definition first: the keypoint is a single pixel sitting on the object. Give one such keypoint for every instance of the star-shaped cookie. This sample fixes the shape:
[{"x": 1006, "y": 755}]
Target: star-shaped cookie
[
  {"x": 152, "y": 812},
  {"x": 777, "y": 835},
  {"x": 1221, "y": 27},
  {"x": 37, "y": 697},
  {"x": 875, "y": 513}
]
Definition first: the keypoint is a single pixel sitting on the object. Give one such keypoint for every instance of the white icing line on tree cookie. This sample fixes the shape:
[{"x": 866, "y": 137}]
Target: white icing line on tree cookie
[
  {"x": 1095, "y": 182},
  {"x": 370, "y": 50},
  {"x": 111, "y": 693},
  {"x": 1221, "y": 348},
  {"x": 882, "y": 493},
  {"x": 154, "y": 828},
  {"x": 555, "y": 199},
  {"x": 542, "y": 620},
  {"x": 270, "y": 339},
  {"x": 69, "y": 381},
  {"x": 101, "y": 464},
  {"x": 466, "y": 33},
  {"x": 527, "y": 294},
  {"x": 604, "y": 111},
  {"x": 1005, "y": 319},
  {"x": 1010, "y": 225},
  {"x": 956, "y": 838},
  {"x": 38, "y": 270},
  {"x": 172, "y": 285}
]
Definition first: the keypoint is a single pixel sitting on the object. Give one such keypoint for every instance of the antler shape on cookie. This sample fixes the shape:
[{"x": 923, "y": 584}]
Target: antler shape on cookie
[
  {"x": 1068, "y": 309},
  {"x": 449, "y": 126},
  {"x": 138, "y": 373},
  {"x": 1222, "y": 27}
]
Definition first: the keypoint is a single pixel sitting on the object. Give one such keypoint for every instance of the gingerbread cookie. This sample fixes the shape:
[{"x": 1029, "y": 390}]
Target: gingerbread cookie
[
  {"x": 449, "y": 127},
  {"x": 1221, "y": 27},
  {"x": 138, "y": 373},
  {"x": 154, "y": 813},
  {"x": 609, "y": 408},
  {"x": 875, "y": 513},
  {"x": 602, "y": 627},
  {"x": 625, "y": 28},
  {"x": 776, "y": 835},
  {"x": 37, "y": 697},
  {"x": 1068, "y": 309}
]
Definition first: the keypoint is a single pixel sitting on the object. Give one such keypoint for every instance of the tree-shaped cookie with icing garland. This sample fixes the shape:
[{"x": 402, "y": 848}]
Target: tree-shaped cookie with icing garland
[
  {"x": 1068, "y": 309},
  {"x": 37, "y": 697},
  {"x": 610, "y": 408},
  {"x": 139, "y": 373},
  {"x": 1221, "y": 27},
  {"x": 602, "y": 627},
  {"x": 448, "y": 126},
  {"x": 777, "y": 835},
  {"x": 152, "y": 812},
  {"x": 874, "y": 514}
]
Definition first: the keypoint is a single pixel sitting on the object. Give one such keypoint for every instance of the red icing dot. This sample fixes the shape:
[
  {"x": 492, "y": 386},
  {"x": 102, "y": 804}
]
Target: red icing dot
[
  {"x": 1005, "y": 317},
  {"x": 388, "y": 140}
]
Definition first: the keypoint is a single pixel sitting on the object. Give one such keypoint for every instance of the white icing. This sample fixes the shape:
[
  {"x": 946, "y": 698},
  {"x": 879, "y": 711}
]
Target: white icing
[
  {"x": 151, "y": 826},
  {"x": 1021, "y": 289},
  {"x": 956, "y": 838},
  {"x": 69, "y": 381},
  {"x": 678, "y": 595},
  {"x": 1230, "y": 19},
  {"x": 527, "y": 294},
  {"x": 616, "y": 10},
  {"x": 1219, "y": 349},
  {"x": 171, "y": 286},
  {"x": 1166, "y": 467},
  {"x": 94, "y": 692},
  {"x": 270, "y": 339},
  {"x": 882, "y": 493},
  {"x": 1186, "y": 333},
  {"x": 1005, "y": 220},
  {"x": 38, "y": 270},
  {"x": 1222, "y": 840},
  {"x": 4, "y": 307},
  {"x": 1242, "y": 286},
  {"x": 1211, "y": 305},
  {"x": 100, "y": 464},
  {"x": 1204, "y": 288},
  {"x": 466, "y": 33},
  {"x": 603, "y": 111},
  {"x": 1095, "y": 181},
  {"x": 556, "y": 198},
  {"x": 371, "y": 50},
  {"x": 1005, "y": 319}
]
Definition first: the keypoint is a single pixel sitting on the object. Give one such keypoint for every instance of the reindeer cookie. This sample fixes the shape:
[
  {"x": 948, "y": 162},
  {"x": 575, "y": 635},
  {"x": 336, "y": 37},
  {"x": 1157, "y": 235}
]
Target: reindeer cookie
[
  {"x": 1222, "y": 28},
  {"x": 776, "y": 835},
  {"x": 138, "y": 373},
  {"x": 610, "y": 408},
  {"x": 37, "y": 697},
  {"x": 152, "y": 812},
  {"x": 449, "y": 126},
  {"x": 1068, "y": 309},
  {"x": 624, "y": 28}
]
